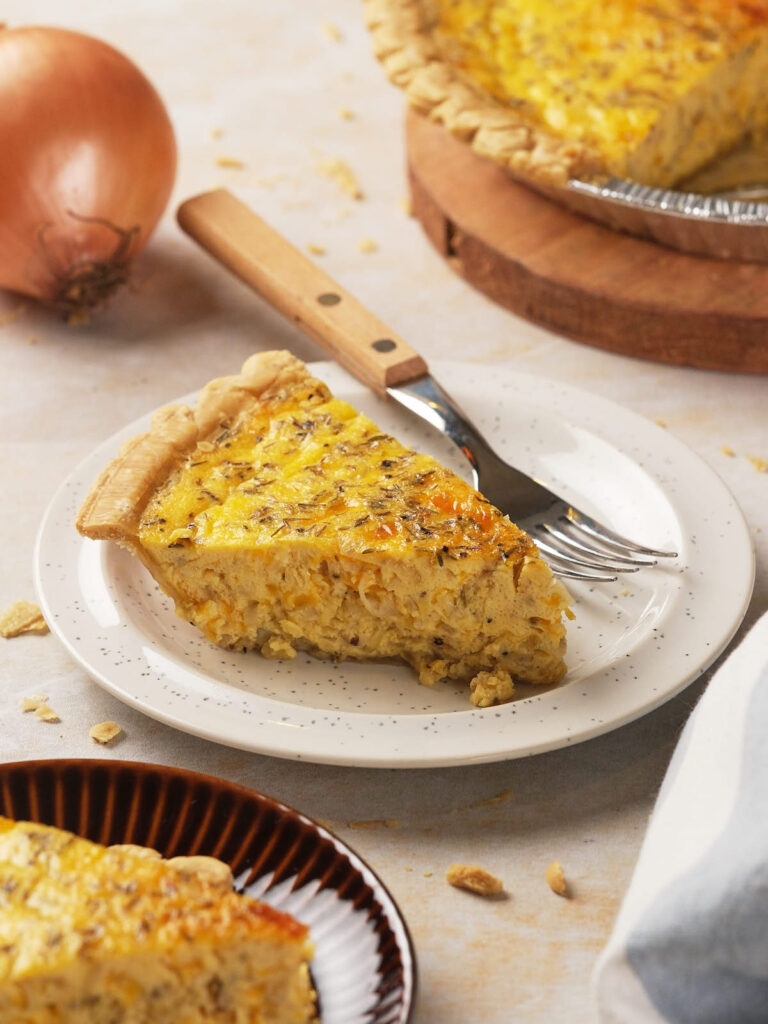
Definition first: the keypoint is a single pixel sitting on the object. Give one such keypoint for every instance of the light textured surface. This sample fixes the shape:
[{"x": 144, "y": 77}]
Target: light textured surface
[{"x": 275, "y": 83}]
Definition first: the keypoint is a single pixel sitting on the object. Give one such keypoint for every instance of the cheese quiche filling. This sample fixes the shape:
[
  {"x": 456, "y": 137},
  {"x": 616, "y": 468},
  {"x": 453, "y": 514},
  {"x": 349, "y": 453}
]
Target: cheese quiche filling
[
  {"x": 92, "y": 934},
  {"x": 296, "y": 523},
  {"x": 647, "y": 91}
]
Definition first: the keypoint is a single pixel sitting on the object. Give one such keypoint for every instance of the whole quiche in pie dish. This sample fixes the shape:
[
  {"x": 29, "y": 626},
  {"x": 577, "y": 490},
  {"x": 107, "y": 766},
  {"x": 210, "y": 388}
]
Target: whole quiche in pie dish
[
  {"x": 556, "y": 90},
  {"x": 279, "y": 519}
]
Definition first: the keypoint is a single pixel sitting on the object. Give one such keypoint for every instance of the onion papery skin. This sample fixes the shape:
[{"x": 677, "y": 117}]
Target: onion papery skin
[{"x": 87, "y": 164}]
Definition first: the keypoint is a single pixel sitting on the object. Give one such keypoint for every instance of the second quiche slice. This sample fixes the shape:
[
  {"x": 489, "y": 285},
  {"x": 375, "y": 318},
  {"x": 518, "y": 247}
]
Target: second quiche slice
[
  {"x": 279, "y": 518},
  {"x": 92, "y": 935}
]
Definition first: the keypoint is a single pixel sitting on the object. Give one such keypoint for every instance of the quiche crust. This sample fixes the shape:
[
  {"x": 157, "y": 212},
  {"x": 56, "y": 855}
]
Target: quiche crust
[
  {"x": 692, "y": 106},
  {"x": 401, "y": 31},
  {"x": 114, "y": 505},
  {"x": 280, "y": 519}
]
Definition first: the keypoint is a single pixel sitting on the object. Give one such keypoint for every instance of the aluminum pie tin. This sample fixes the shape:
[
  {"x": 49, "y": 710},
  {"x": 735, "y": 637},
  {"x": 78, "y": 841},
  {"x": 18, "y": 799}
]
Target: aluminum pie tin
[{"x": 724, "y": 226}]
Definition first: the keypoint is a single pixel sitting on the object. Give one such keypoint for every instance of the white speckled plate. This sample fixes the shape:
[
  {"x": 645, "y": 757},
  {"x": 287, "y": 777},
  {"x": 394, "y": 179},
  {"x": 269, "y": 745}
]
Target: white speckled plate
[{"x": 632, "y": 645}]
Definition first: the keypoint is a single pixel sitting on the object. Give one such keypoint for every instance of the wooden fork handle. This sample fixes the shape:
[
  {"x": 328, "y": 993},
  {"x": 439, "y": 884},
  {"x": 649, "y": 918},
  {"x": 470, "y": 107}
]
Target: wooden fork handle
[{"x": 292, "y": 283}]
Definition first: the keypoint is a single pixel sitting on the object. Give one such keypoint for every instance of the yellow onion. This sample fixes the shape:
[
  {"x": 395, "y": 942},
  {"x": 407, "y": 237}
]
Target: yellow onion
[{"x": 87, "y": 163}]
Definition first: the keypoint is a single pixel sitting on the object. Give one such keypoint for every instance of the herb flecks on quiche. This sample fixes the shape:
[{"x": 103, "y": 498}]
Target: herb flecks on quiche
[
  {"x": 90, "y": 934},
  {"x": 279, "y": 518},
  {"x": 559, "y": 89}
]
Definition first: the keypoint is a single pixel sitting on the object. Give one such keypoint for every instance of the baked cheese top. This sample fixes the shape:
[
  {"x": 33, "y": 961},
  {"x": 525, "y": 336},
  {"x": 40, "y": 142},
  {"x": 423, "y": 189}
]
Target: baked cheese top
[
  {"x": 65, "y": 898},
  {"x": 603, "y": 73},
  {"x": 308, "y": 465}
]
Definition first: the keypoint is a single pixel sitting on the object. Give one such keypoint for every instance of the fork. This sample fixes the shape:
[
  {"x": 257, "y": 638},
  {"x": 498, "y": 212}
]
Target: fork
[{"x": 576, "y": 545}]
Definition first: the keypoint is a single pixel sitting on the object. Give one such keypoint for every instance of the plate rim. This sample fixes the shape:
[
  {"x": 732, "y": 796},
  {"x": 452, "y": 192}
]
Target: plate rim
[
  {"x": 627, "y": 416},
  {"x": 390, "y": 908}
]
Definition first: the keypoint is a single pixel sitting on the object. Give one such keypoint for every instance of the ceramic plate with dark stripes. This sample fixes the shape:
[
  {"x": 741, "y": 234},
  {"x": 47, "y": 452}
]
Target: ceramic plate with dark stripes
[{"x": 364, "y": 967}]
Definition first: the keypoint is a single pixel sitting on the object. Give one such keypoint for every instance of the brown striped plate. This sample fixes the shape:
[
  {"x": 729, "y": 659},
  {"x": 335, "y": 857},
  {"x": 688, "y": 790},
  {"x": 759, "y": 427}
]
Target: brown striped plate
[{"x": 364, "y": 966}]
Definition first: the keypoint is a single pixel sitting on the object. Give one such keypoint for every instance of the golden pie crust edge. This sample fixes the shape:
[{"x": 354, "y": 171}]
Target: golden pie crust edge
[
  {"x": 115, "y": 504},
  {"x": 403, "y": 43}
]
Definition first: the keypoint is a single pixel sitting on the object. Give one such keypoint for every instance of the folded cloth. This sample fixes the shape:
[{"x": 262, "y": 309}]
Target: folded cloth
[{"x": 690, "y": 944}]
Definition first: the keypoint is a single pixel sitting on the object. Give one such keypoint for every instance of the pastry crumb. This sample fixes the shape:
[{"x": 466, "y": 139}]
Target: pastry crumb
[
  {"x": 727, "y": 450},
  {"x": 277, "y": 647},
  {"x": 556, "y": 878},
  {"x": 216, "y": 133},
  {"x": 333, "y": 32},
  {"x": 316, "y": 250},
  {"x": 661, "y": 423},
  {"x": 340, "y": 172},
  {"x": 46, "y": 713},
  {"x": 368, "y": 245},
  {"x": 231, "y": 162},
  {"x": 346, "y": 114},
  {"x": 489, "y": 688},
  {"x": 761, "y": 465},
  {"x": 33, "y": 702},
  {"x": 406, "y": 205},
  {"x": 428, "y": 874},
  {"x": 22, "y": 617},
  {"x": 624, "y": 591},
  {"x": 104, "y": 732},
  {"x": 209, "y": 869},
  {"x": 474, "y": 879}
]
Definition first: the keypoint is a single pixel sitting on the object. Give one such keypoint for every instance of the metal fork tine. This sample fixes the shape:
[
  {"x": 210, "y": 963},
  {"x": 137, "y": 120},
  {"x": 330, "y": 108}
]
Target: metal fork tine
[
  {"x": 569, "y": 559},
  {"x": 610, "y": 538},
  {"x": 571, "y": 574},
  {"x": 603, "y": 555},
  {"x": 525, "y": 499},
  {"x": 561, "y": 567}
]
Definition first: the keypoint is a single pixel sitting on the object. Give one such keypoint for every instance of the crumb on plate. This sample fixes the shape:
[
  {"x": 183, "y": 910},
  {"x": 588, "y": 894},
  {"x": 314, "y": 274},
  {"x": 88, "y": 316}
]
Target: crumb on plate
[{"x": 489, "y": 688}]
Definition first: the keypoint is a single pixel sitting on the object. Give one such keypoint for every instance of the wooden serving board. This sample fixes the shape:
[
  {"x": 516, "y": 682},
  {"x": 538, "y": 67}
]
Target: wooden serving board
[{"x": 580, "y": 278}]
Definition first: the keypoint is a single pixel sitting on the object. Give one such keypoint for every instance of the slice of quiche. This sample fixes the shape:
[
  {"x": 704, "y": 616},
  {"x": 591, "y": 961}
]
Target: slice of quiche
[
  {"x": 559, "y": 89},
  {"x": 279, "y": 518},
  {"x": 92, "y": 934}
]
